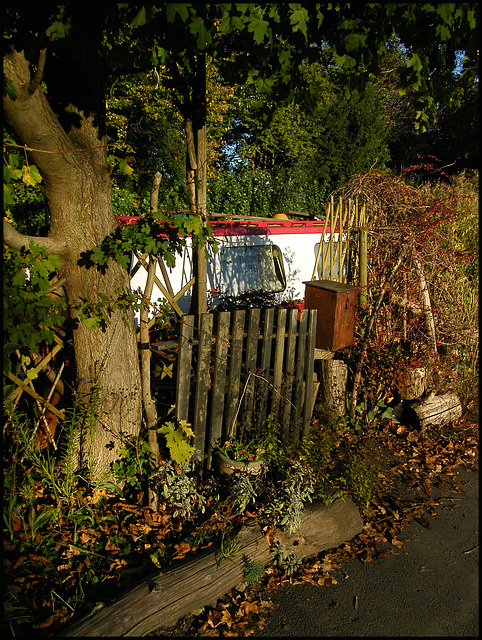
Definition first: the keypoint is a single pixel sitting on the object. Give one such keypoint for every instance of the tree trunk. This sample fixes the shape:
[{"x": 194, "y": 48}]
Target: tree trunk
[
  {"x": 197, "y": 179},
  {"x": 69, "y": 148}
]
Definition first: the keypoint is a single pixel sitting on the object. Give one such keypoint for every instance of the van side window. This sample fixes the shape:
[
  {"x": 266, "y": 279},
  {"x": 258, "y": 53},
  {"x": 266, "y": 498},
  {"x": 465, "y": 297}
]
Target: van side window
[{"x": 249, "y": 267}]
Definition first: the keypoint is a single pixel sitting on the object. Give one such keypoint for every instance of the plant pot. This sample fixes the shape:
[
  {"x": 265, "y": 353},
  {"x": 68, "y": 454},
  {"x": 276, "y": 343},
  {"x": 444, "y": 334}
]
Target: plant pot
[{"x": 226, "y": 466}]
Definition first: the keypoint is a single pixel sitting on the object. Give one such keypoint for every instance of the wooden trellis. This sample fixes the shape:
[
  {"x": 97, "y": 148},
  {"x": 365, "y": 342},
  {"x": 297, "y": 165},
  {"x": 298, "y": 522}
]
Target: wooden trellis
[
  {"x": 345, "y": 218},
  {"x": 27, "y": 385},
  {"x": 166, "y": 288}
]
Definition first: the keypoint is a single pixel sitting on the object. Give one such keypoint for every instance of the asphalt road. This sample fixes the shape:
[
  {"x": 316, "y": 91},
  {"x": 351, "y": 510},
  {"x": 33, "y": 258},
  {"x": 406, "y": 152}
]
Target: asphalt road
[{"x": 430, "y": 588}]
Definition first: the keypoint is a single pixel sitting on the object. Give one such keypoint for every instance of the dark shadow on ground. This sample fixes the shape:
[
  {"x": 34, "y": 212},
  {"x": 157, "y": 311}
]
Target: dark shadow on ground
[{"x": 429, "y": 588}]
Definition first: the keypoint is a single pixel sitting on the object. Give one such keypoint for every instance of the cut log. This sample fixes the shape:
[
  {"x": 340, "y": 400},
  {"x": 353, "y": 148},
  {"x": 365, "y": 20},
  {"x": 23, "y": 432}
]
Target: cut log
[
  {"x": 322, "y": 527},
  {"x": 160, "y": 599},
  {"x": 331, "y": 395},
  {"x": 437, "y": 410},
  {"x": 412, "y": 383}
]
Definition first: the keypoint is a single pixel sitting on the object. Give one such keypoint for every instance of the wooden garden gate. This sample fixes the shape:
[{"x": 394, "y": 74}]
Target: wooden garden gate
[{"x": 238, "y": 370}]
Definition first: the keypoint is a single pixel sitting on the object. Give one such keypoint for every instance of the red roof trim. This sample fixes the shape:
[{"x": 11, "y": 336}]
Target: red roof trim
[{"x": 253, "y": 227}]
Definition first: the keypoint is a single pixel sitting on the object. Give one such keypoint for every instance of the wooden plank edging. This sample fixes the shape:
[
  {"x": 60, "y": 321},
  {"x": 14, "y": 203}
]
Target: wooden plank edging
[{"x": 161, "y": 598}]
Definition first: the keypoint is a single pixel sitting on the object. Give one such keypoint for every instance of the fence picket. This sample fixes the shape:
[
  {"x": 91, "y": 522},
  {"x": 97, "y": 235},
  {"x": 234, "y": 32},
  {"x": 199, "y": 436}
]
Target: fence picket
[
  {"x": 266, "y": 351},
  {"x": 288, "y": 375},
  {"x": 219, "y": 381},
  {"x": 309, "y": 368},
  {"x": 184, "y": 357},
  {"x": 251, "y": 357},
  {"x": 299, "y": 373},
  {"x": 203, "y": 383},
  {"x": 279, "y": 349},
  {"x": 235, "y": 362}
]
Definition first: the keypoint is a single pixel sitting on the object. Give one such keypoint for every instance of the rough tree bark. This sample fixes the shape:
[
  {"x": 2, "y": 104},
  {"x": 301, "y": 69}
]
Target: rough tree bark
[
  {"x": 69, "y": 148},
  {"x": 197, "y": 178}
]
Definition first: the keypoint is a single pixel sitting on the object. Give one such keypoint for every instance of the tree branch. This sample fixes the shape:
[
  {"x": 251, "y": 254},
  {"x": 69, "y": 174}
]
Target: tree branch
[
  {"x": 34, "y": 121},
  {"x": 34, "y": 85},
  {"x": 12, "y": 238}
]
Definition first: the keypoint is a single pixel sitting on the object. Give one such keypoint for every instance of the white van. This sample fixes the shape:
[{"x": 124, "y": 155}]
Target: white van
[{"x": 274, "y": 256}]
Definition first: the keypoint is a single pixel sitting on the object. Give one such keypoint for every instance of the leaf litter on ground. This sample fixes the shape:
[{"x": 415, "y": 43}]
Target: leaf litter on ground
[{"x": 121, "y": 540}]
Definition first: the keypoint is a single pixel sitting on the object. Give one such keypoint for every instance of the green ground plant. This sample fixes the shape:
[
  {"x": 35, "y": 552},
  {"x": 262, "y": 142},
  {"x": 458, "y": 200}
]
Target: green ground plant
[
  {"x": 228, "y": 551},
  {"x": 291, "y": 495},
  {"x": 252, "y": 570},
  {"x": 287, "y": 562},
  {"x": 360, "y": 476},
  {"x": 179, "y": 487}
]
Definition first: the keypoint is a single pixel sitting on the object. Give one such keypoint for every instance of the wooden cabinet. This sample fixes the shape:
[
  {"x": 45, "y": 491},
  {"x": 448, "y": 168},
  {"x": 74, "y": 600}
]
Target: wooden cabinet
[{"x": 336, "y": 304}]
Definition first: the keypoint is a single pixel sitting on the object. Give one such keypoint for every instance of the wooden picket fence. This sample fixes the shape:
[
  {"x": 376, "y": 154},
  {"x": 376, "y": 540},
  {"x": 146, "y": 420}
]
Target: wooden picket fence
[{"x": 237, "y": 370}]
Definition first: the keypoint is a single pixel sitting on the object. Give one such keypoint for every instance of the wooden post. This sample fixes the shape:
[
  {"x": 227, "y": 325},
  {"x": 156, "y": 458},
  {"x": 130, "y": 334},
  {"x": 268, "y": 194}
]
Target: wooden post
[
  {"x": 363, "y": 266},
  {"x": 427, "y": 307},
  {"x": 198, "y": 178},
  {"x": 149, "y": 404}
]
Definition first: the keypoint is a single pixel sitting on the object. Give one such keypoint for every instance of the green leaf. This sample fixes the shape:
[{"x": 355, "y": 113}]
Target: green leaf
[
  {"x": 126, "y": 168},
  {"x": 258, "y": 27},
  {"x": 140, "y": 19},
  {"x": 443, "y": 32},
  {"x": 471, "y": 19},
  {"x": 181, "y": 9},
  {"x": 58, "y": 30},
  {"x": 355, "y": 42},
  {"x": 299, "y": 18},
  {"x": 204, "y": 36},
  {"x": 320, "y": 17},
  {"x": 90, "y": 322},
  {"x": 345, "y": 61},
  {"x": 31, "y": 374},
  {"x": 415, "y": 62},
  {"x": 35, "y": 174},
  {"x": 7, "y": 194},
  {"x": 150, "y": 246}
]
